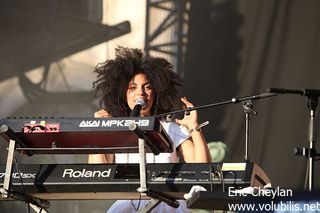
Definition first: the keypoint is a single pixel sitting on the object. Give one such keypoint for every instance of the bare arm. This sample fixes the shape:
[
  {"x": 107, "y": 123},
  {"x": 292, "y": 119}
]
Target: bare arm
[
  {"x": 101, "y": 158},
  {"x": 194, "y": 149}
]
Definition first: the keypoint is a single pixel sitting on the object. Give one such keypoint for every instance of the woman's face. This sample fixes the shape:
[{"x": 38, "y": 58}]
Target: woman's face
[{"x": 140, "y": 87}]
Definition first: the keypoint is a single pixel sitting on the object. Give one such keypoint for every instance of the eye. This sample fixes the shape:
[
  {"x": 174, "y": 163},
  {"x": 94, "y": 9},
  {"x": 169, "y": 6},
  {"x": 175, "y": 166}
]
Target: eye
[
  {"x": 132, "y": 87},
  {"x": 148, "y": 87}
]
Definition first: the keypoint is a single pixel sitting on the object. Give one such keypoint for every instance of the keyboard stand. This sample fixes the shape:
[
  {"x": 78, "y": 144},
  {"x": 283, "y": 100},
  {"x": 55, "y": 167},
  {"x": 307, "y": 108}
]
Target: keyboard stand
[
  {"x": 38, "y": 204},
  {"x": 157, "y": 197},
  {"x": 9, "y": 166},
  {"x": 143, "y": 179},
  {"x": 8, "y": 135}
]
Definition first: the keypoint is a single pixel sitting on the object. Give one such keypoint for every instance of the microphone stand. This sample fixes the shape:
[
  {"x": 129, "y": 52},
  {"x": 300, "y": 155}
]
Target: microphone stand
[
  {"x": 232, "y": 101},
  {"x": 312, "y": 103},
  {"x": 247, "y": 107}
]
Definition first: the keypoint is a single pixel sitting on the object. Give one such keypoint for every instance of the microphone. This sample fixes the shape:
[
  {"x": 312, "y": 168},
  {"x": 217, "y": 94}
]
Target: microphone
[
  {"x": 140, "y": 103},
  {"x": 283, "y": 91},
  {"x": 276, "y": 90}
]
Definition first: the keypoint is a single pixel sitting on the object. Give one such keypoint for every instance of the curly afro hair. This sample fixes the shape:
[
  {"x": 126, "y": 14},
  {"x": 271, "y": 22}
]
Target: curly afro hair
[{"x": 114, "y": 76}]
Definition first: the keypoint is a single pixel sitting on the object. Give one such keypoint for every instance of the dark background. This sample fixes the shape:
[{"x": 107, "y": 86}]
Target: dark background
[
  {"x": 235, "y": 48},
  {"x": 241, "y": 48}
]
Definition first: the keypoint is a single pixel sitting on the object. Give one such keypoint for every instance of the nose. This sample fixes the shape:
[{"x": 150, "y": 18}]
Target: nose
[{"x": 140, "y": 91}]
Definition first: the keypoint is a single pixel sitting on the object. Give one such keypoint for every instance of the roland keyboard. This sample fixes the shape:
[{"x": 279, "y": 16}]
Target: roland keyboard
[
  {"x": 120, "y": 181},
  {"x": 83, "y": 135}
]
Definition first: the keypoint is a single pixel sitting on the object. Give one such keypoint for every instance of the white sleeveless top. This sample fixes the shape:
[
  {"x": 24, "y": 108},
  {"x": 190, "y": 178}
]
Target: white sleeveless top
[{"x": 177, "y": 133}]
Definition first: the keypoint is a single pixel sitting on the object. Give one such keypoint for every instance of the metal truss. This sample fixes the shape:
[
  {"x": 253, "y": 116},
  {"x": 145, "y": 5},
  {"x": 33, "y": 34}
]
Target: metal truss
[{"x": 166, "y": 30}]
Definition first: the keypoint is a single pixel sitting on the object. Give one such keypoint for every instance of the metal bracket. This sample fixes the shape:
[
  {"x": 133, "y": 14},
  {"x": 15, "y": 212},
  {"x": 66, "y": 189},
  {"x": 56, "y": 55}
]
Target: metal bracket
[{"x": 9, "y": 165}]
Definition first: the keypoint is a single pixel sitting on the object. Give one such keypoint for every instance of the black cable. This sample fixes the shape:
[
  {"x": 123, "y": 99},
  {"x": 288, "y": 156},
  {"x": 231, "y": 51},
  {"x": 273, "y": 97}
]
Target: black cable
[
  {"x": 222, "y": 178},
  {"x": 134, "y": 205},
  {"x": 139, "y": 202},
  {"x": 147, "y": 185},
  {"x": 211, "y": 182},
  {"x": 223, "y": 183},
  {"x": 166, "y": 198},
  {"x": 235, "y": 180},
  {"x": 33, "y": 128},
  {"x": 23, "y": 196},
  {"x": 21, "y": 181},
  {"x": 28, "y": 207},
  {"x": 20, "y": 176},
  {"x": 220, "y": 175},
  {"x": 211, "y": 179}
]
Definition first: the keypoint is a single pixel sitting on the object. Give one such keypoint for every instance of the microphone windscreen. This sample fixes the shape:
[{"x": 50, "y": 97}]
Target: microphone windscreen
[{"x": 141, "y": 102}]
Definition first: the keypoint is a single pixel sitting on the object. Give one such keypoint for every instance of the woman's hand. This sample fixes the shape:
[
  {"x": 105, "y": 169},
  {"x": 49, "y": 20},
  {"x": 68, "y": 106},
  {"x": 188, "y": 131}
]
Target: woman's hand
[
  {"x": 194, "y": 149},
  {"x": 102, "y": 114},
  {"x": 190, "y": 119}
]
